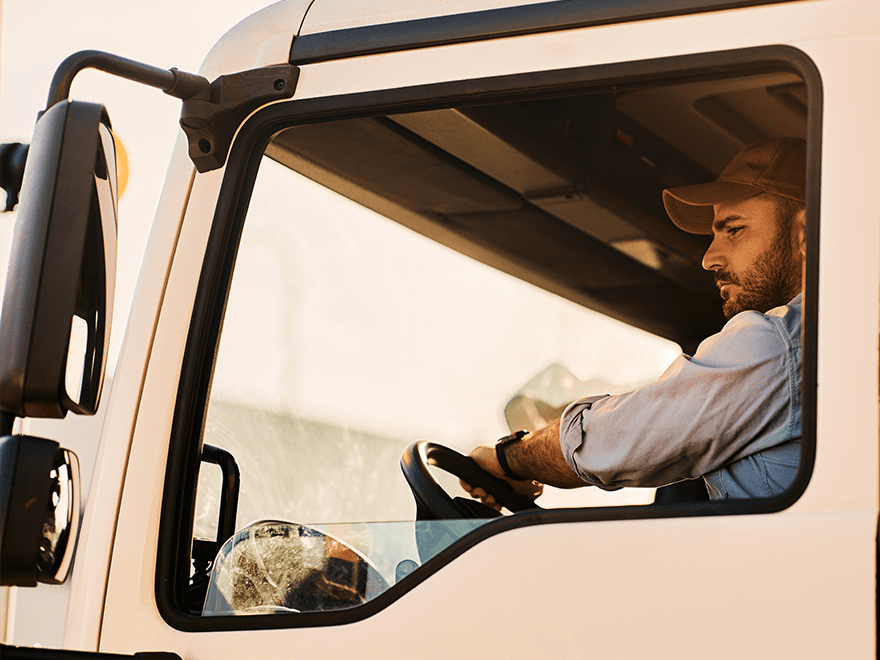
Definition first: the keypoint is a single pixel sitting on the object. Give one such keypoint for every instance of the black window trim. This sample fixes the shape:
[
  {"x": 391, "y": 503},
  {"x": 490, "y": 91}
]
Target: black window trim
[
  {"x": 494, "y": 24},
  {"x": 176, "y": 522}
]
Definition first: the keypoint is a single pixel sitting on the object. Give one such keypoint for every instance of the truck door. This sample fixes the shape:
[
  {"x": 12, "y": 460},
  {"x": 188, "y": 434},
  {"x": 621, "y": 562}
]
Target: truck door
[{"x": 444, "y": 242}]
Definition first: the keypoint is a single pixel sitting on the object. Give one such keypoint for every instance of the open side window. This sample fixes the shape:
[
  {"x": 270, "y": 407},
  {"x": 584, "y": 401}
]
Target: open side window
[{"x": 445, "y": 265}]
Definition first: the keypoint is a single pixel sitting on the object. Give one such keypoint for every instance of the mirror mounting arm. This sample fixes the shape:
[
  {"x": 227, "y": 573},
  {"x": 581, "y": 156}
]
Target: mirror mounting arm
[
  {"x": 211, "y": 111},
  {"x": 176, "y": 83}
]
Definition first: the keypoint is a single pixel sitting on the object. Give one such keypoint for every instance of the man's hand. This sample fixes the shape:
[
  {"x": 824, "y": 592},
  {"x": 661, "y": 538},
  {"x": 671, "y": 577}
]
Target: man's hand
[{"x": 485, "y": 457}]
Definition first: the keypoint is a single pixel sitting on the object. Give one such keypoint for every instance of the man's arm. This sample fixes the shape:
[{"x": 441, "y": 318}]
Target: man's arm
[
  {"x": 736, "y": 396},
  {"x": 537, "y": 456}
]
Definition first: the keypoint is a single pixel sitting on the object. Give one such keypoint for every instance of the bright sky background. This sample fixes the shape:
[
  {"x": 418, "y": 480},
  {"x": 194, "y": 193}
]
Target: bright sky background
[{"x": 36, "y": 36}]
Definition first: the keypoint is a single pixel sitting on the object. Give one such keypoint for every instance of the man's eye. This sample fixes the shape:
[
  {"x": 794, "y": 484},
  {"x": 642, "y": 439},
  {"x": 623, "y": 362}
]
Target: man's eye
[{"x": 733, "y": 231}]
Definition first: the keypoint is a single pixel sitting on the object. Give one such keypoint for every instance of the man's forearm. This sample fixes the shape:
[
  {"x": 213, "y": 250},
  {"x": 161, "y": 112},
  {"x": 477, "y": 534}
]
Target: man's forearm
[{"x": 539, "y": 456}]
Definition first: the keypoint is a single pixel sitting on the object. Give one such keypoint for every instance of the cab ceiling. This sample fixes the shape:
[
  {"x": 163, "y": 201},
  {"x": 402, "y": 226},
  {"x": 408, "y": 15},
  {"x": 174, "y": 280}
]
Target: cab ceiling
[{"x": 563, "y": 192}]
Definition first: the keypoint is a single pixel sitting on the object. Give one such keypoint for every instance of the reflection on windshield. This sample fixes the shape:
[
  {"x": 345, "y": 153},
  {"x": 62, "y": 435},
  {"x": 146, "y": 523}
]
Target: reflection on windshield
[{"x": 277, "y": 567}]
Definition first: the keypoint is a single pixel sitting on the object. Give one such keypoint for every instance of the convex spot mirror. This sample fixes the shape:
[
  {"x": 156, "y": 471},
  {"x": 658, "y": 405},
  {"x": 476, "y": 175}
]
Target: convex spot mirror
[
  {"x": 39, "y": 510},
  {"x": 57, "y": 307}
]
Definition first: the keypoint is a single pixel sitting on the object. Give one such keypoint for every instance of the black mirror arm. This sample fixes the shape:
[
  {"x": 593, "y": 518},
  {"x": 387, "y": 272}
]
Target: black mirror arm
[
  {"x": 176, "y": 83},
  {"x": 211, "y": 112}
]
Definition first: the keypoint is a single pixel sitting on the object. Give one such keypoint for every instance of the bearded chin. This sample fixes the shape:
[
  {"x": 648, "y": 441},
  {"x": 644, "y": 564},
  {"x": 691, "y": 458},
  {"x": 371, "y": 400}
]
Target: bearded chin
[
  {"x": 748, "y": 301},
  {"x": 772, "y": 282},
  {"x": 731, "y": 308}
]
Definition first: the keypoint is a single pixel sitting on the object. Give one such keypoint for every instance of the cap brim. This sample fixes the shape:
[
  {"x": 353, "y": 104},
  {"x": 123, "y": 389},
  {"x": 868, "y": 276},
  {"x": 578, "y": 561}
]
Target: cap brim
[{"x": 690, "y": 207}]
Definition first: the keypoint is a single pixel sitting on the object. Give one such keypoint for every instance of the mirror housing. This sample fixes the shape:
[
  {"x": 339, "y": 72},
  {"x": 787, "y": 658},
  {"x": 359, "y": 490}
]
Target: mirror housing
[
  {"x": 39, "y": 511},
  {"x": 55, "y": 323}
]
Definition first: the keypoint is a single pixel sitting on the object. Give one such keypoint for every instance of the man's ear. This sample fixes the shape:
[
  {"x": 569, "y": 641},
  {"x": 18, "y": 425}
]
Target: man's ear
[{"x": 800, "y": 231}]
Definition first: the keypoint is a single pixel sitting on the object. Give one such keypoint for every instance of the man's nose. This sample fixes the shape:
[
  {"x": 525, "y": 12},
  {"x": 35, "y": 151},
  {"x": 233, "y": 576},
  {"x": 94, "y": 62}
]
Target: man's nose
[{"x": 714, "y": 258}]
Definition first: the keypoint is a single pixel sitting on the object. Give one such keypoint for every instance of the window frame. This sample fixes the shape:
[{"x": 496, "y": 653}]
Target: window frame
[
  {"x": 178, "y": 502},
  {"x": 493, "y": 24}
]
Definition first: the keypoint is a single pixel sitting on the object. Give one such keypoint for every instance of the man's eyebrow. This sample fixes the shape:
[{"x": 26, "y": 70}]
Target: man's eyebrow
[{"x": 721, "y": 223}]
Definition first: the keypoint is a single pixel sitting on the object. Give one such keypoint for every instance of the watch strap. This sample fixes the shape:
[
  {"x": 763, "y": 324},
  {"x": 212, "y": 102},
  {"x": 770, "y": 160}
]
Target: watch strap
[{"x": 502, "y": 459}]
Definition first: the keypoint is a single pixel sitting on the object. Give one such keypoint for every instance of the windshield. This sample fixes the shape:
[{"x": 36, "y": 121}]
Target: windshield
[{"x": 347, "y": 337}]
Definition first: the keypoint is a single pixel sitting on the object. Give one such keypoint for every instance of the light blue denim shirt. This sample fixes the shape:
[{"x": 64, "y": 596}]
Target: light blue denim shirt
[{"x": 730, "y": 414}]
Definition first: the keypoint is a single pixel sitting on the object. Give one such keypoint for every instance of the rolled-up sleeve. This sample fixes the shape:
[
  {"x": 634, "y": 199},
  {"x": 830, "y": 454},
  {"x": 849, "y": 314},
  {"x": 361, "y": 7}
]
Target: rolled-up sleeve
[{"x": 736, "y": 396}]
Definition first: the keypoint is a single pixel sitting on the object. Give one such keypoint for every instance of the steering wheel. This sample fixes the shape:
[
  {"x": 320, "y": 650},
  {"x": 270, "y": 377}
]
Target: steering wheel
[{"x": 435, "y": 503}]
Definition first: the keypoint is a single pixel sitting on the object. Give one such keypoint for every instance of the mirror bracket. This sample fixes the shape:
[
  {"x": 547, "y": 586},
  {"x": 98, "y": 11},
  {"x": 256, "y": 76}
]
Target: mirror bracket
[
  {"x": 211, "y": 118},
  {"x": 211, "y": 112},
  {"x": 12, "y": 159}
]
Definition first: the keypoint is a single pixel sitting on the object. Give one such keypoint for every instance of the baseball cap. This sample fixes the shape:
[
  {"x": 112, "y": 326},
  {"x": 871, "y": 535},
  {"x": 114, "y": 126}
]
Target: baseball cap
[{"x": 774, "y": 165}]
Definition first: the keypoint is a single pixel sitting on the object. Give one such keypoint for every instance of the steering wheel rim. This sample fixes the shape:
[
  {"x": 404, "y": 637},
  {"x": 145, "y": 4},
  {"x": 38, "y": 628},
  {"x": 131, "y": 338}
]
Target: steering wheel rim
[{"x": 428, "y": 492}]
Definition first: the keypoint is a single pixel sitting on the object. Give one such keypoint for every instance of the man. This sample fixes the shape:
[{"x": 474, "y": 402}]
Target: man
[{"x": 731, "y": 413}]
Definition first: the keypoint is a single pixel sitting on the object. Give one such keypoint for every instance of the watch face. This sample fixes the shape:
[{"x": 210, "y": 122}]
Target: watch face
[{"x": 513, "y": 437}]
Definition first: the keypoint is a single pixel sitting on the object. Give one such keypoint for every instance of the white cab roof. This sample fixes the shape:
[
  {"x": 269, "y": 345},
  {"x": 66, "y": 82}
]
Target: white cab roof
[{"x": 328, "y": 15}]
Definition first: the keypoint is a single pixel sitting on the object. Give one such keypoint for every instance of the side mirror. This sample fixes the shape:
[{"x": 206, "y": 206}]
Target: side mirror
[
  {"x": 55, "y": 323},
  {"x": 39, "y": 511}
]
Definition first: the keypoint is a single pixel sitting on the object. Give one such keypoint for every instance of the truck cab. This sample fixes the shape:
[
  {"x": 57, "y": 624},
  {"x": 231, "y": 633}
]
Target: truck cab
[{"x": 392, "y": 231}]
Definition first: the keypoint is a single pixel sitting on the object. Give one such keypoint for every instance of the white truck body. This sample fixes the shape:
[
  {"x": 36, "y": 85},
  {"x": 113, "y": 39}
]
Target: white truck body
[{"x": 798, "y": 580}]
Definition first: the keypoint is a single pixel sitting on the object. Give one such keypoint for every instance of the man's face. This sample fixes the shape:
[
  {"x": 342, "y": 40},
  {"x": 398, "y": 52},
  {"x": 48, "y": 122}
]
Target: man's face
[{"x": 756, "y": 261}]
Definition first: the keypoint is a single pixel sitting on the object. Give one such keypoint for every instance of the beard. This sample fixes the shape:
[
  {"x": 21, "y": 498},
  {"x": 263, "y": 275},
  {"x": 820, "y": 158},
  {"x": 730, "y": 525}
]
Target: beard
[{"x": 773, "y": 280}]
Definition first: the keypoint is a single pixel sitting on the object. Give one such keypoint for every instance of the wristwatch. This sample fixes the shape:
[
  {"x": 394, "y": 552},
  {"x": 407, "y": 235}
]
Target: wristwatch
[{"x": 500, "y": 446}]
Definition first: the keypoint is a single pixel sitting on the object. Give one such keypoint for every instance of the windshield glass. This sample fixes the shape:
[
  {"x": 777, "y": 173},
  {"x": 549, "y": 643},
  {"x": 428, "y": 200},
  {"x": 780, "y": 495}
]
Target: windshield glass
[{"x": 348, "y": 336}]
